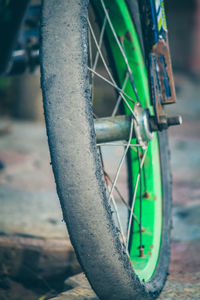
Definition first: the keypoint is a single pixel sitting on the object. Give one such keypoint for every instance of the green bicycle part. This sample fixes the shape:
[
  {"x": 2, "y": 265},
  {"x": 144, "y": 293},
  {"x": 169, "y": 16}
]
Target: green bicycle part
[
  {"x": 161, "y": 18},
  {"x": 151, "y": 174}
]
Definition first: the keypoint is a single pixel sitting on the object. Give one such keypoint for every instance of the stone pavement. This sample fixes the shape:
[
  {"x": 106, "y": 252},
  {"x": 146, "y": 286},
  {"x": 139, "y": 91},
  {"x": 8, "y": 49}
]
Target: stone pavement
[
  {"x": 34, "y": 246},
  {"x": 79, "y": 289}
]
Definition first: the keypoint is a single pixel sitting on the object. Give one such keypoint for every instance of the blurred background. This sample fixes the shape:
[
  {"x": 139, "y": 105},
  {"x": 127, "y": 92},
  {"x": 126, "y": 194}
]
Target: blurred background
[{"x": 35, "y": 253}]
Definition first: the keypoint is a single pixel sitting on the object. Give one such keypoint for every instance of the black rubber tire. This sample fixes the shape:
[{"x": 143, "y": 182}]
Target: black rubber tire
[{"x": 76, "y": 164}]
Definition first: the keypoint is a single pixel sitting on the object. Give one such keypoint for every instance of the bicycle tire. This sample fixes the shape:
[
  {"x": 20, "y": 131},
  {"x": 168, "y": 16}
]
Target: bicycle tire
[{"x": 78, "y": 174}]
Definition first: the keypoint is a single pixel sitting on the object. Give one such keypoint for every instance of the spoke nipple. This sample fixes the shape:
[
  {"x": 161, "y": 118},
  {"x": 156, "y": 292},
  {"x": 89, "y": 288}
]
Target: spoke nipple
[
  {"x": 141, "y": 155},
  {"x": 141, "y": 251},
  {"x": 146, "y": 195},
  {"x": 106, "y": 180},
  {"x": 106, "y": 177},
  {"x": 176, "y": 120}
]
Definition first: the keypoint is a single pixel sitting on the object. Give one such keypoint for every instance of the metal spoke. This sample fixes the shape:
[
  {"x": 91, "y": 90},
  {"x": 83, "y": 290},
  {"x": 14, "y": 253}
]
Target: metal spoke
[
  {"x": 99, "y": 45},
  {"x": 117, "y": 190},
  {"x": 105, "y": 65},
  {"x": 131, "y": 79},
  {"x": 134, "y": 197},
  {"x": 113, "y": 201},
  {"x": 118, "y": 217},
  {"x": 141, "y": 250},
  {"x": 100, "y": 53},
  {"x": 118, "y": 145},
  {"x": 121, "y": 49},
  {"x": 122, "y": 198},
  {"x": 112, "y": 82},
  {"x": 122, "y": 160},
  {"x": 120, "y": 97},
  {"x": 117, "y": 88},
  {"x": 90, "y": 50},
  {"x": 90, "y": 62}
]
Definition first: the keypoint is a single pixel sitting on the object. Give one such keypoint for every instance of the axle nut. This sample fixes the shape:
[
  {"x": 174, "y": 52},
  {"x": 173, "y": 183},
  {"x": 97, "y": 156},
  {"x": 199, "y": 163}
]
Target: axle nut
[{"x": 172, "y": 121}]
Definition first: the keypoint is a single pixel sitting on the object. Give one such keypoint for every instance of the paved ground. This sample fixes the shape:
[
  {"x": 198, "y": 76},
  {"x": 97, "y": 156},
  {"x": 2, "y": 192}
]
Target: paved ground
[{"x": 34, "y": 246}]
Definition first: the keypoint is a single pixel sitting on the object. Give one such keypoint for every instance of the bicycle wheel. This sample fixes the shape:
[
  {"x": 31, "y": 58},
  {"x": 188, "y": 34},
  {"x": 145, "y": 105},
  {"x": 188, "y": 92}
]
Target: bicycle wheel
[{"x": 124, "y": 252}]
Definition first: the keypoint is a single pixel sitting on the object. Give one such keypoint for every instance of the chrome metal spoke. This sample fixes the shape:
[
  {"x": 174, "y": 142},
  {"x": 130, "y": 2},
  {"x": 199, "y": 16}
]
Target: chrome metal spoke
[
  {"x": 122, "y": 160},
  {"x": 141, "y": 247},
  {"x": 100, "y": 53},
  {"x": 134, "y": 197},
  {"x": 120, "y": 97},
  {"x": 118, "y": 216},
  {"x": 118, "y": 145},
  {"x": 112, "y": 82},
  {"x": 106, "y": 67},
  {"x": 113, "y": 200},
  {"x": 100, "y": 44},
  {"x": 90, "y": 50},
  {"x": 91, "y": 63},
  {"x": 117, "y": 88},
  {"x": 121, "y": 49},
  {"x": 117, "y": 190},
  {"x": 122, "y": 199},
  {"x": 130, "y": 75}
]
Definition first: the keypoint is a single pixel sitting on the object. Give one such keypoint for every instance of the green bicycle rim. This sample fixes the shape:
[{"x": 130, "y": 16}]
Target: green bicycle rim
[{"x": 151, "y": 175}]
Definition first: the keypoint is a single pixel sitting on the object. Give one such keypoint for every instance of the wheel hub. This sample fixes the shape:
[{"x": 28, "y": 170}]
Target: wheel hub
[{"x": 118, "y": 128}]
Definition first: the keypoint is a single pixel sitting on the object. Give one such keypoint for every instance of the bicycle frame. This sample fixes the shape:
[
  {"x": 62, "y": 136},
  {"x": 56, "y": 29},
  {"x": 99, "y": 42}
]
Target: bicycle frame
[{"x": 158, "y": 56}]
